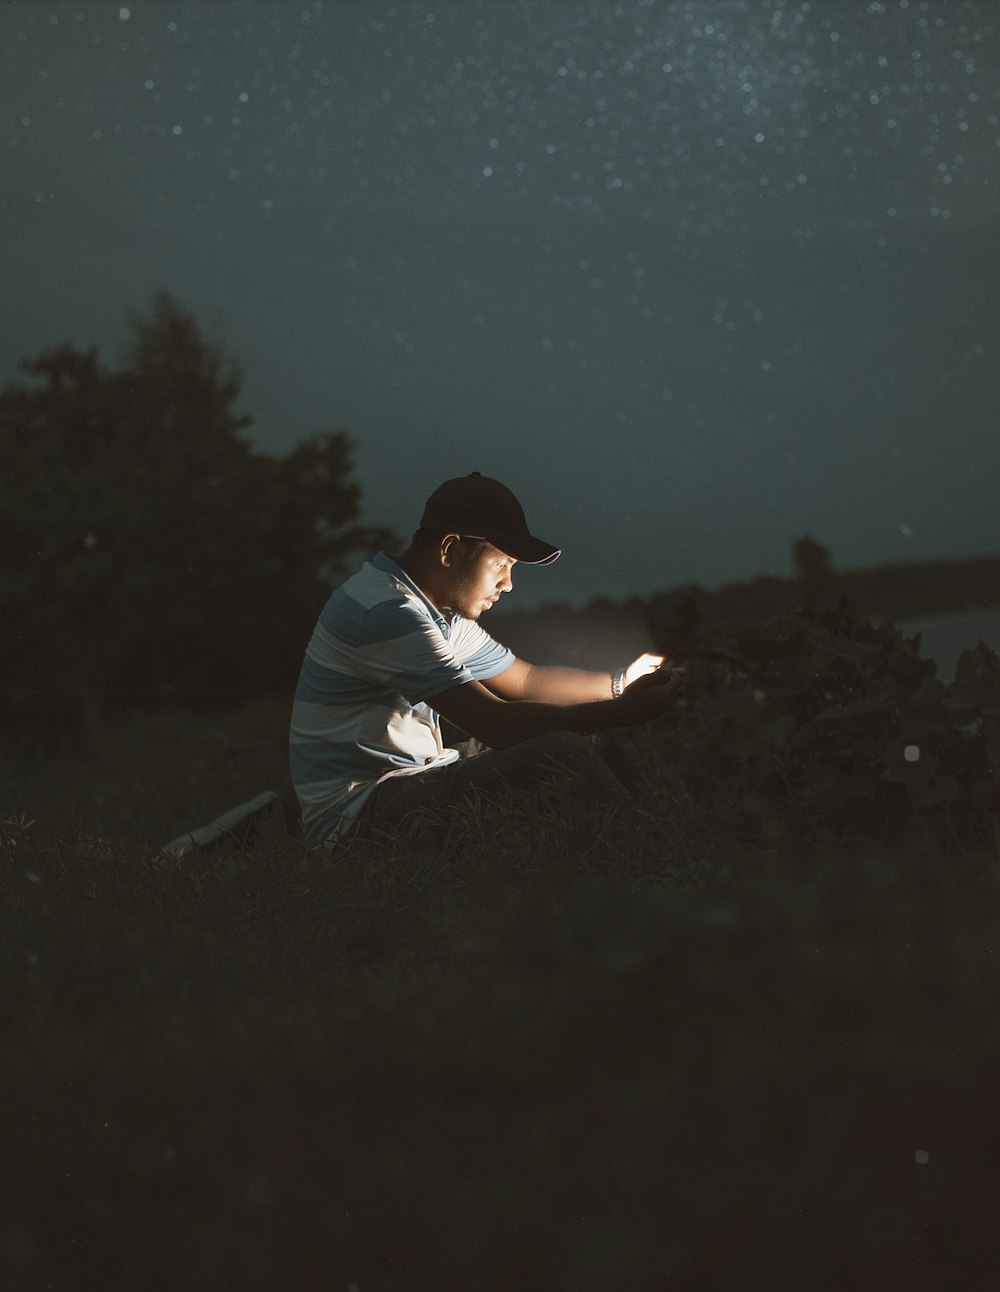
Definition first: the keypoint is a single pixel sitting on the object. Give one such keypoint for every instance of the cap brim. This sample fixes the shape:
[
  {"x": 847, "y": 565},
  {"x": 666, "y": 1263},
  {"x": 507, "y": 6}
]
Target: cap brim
[{"x": 527, "y": 548}]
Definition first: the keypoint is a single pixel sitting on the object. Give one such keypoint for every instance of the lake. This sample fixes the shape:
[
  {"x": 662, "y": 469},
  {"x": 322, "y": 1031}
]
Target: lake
[{"x": 944, "y": 637}]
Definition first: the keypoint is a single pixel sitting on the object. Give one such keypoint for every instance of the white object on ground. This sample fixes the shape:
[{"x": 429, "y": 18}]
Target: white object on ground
[{"x": 226, "y": 824}]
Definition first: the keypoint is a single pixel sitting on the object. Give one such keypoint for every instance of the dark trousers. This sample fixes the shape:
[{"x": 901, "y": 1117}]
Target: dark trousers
[{"x": 559, "y": 765}]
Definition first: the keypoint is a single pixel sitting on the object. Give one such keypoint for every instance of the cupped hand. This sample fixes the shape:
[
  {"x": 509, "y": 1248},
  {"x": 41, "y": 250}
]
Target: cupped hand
[
  {"x": 665, "y": 675},
  {"x": 643, "y": 666},
  {"x": 651, "y": 695}
]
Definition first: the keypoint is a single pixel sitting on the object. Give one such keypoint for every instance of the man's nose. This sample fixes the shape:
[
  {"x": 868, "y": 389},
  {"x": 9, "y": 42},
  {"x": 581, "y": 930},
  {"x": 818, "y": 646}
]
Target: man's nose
[{"x": 506, "y": 584}]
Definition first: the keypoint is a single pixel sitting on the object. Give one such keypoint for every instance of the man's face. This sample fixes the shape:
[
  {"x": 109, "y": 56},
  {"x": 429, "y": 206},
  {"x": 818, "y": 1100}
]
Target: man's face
[{"x": 478, "y": 581}]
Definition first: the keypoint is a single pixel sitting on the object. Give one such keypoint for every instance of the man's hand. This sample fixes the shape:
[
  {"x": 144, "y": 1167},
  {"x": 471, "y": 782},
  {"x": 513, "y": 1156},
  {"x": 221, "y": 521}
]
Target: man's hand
[
  {"x": 668, "y": 678},
  {"x": 652, "y": 693},
  {"x": 643, "y": 666}
]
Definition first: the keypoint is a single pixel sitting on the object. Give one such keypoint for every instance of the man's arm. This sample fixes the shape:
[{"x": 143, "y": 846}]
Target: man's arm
[
  {"x": 554, "y": 685},
  {"x": 499, "y": 723}
]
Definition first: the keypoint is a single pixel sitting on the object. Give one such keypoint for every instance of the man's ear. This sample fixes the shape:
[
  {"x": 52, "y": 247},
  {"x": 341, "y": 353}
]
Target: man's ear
[{"x": 447, "y": 543}]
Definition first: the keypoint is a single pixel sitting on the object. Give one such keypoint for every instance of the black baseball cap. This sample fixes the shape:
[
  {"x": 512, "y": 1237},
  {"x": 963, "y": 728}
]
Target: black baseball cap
[{"x": 479, "y": 507}]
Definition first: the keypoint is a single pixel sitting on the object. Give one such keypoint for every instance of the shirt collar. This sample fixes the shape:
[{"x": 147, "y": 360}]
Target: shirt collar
[{"x": 388, "y": 566}]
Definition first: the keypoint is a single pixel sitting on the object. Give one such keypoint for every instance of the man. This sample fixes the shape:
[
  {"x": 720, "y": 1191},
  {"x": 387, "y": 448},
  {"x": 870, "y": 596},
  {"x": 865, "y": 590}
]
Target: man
[{"x": 366, "y": 744}]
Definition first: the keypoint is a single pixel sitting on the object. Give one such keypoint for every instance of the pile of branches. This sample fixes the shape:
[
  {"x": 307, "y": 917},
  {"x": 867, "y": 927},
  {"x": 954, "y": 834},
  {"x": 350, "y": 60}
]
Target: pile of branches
[{"x": 822, "y": 723}]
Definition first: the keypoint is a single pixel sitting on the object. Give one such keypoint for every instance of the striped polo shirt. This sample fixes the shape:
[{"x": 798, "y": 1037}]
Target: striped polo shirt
[{"x": 380, "y": 651}]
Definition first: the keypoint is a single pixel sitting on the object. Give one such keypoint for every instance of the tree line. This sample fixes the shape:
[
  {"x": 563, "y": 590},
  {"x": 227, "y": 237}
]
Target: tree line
[{"x": 149, "y": 553}]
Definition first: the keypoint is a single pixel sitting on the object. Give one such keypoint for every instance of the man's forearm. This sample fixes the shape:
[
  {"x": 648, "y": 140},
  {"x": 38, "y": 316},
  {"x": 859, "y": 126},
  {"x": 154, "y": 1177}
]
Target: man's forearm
[
  {"x": 556, "y": 685},
  {"x": 501, "y": 721}
]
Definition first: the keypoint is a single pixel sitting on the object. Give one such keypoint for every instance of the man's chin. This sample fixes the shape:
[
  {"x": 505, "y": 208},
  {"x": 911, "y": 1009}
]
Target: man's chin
[{"x": 475, "y": 610}]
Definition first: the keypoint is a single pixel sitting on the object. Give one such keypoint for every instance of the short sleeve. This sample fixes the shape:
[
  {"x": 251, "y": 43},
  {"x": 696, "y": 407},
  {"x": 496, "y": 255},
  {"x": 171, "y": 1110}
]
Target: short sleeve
[
  {"x": 406, "y": 652},
  {"x": 478, "y": 651}
]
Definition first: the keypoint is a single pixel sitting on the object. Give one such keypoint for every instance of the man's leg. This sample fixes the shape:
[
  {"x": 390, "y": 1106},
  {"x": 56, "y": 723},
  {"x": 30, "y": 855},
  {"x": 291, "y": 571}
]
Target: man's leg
[{"x": 565, "y": 764}]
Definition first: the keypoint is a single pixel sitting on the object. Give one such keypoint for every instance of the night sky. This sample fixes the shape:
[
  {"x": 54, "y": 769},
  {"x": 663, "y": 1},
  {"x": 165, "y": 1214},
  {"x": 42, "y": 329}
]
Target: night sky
[{"x": 693, "y": 278}]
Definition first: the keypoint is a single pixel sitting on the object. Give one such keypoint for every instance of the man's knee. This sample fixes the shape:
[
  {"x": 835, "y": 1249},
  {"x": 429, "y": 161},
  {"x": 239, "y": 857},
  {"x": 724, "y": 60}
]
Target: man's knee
[
  {"x": 563, "y": 761},
  {"x": 561, "y": 754},
  {"x": 571, "y": 755}
]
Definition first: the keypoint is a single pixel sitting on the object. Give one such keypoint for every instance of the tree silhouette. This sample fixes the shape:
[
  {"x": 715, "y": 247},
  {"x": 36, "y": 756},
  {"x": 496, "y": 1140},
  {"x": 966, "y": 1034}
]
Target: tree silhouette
[
  {"x": 147, "y": 550},
  {"x": 814, "y": 571}
]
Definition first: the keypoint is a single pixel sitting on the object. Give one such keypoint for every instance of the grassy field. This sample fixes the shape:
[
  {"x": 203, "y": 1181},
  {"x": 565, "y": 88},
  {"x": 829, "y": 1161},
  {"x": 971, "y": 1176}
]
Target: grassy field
[{"x": 730, "y": 1048}]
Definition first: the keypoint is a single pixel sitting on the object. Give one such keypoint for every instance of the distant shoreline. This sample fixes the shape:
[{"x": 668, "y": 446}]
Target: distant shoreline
[
  {"x": 892, "y": 593},
  {"x": 944, "y": 637}
]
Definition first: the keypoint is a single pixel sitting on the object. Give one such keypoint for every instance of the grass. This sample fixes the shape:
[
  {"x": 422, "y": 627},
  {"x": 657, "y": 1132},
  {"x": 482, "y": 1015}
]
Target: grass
[{"x": 534, "y": 1054}]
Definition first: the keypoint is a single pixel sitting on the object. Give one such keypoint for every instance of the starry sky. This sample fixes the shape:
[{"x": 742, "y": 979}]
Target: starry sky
[{"x": 693, "y": 278}]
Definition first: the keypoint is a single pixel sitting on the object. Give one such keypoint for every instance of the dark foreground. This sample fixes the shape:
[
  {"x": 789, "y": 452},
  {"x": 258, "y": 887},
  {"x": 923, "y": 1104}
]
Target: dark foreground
[{"x": 730, "y": 1049}]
